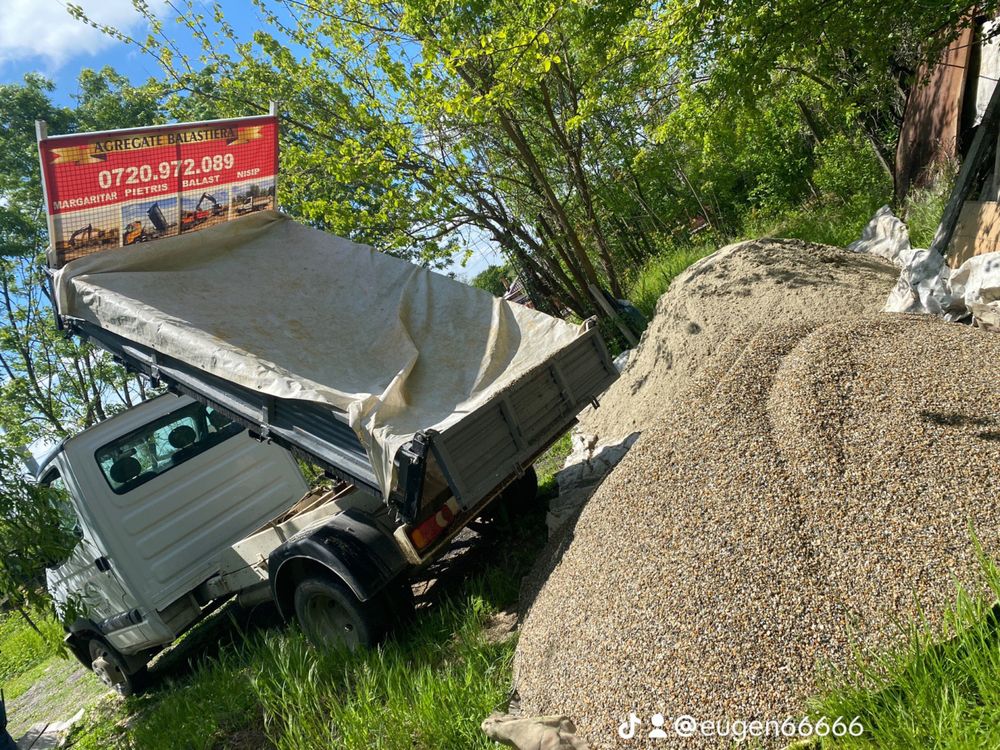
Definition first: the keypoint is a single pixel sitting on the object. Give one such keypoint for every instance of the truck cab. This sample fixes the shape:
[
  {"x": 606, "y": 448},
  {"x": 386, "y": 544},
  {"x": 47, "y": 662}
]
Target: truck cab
[{"x": 176, "y": 507}]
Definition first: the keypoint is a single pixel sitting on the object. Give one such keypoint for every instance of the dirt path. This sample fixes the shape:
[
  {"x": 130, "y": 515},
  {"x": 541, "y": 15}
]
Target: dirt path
[{"x": 63, "y": 689}]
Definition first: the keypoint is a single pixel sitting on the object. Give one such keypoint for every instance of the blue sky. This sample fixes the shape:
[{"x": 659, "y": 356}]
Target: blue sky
[{"x": 40, "y": 36}]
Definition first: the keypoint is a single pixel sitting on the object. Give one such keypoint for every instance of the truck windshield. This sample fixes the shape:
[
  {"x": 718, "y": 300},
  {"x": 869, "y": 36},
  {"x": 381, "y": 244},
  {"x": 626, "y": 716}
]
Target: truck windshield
[{"x": 143, "y": 454}]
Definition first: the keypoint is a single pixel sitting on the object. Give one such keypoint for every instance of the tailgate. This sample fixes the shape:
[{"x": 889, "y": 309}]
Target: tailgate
[{"x": 495, "y": 443}]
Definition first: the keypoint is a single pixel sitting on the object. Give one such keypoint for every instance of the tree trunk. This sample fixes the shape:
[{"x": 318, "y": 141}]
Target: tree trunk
[{"x": 574, "y": 162}]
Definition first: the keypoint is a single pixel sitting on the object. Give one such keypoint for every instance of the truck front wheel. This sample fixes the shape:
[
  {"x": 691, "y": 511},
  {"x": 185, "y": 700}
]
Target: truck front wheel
[
  {"x": 331, "y": 615},
  {"x": 111, "y": 668}
]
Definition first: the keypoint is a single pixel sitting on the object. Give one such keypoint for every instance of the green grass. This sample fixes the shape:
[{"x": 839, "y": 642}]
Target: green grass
[
  {"x": 831, "y": 222},
  {"x": 549, "y": 464},
  {"x": 655, "y": 276},
  {"x": 429, "y": 690},
  {"x": 23, "y": 651},
  {"x": 925, "y": 207},
  {"x": 940, "y": 689},
  {"x": 428, "y": 687}
]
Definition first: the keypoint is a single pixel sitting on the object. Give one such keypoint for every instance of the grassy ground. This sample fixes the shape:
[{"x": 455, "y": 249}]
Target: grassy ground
[
  {"x": 57, "y": 689},
  {"x": 22, "y": 649},
  {"x": 430, "y": 686},
  {"x": 832, "y": 223},
  {"x": 655, "y": 276},
  {"x": 39, "y": 684},
  {"x": 549, "y": 465},
  {"x": 940, "y": 689}
]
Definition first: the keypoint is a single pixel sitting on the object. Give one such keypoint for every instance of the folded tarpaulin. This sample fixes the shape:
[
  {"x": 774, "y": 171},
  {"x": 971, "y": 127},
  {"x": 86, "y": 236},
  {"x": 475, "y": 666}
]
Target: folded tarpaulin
[{"x": 297, "y": 313}]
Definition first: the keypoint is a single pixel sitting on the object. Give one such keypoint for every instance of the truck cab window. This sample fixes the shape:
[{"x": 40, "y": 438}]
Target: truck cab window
[{"x": 143, "y": 454}]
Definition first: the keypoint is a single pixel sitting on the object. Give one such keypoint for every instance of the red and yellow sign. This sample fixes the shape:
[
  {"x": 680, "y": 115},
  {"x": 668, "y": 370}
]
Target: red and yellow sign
[{"x": 124, "y": 187}]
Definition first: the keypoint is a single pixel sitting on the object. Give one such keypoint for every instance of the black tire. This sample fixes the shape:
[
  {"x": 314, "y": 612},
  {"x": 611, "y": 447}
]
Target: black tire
[
  {"x": 111, "y": 668},
  {"x": 331, "y": 615}
]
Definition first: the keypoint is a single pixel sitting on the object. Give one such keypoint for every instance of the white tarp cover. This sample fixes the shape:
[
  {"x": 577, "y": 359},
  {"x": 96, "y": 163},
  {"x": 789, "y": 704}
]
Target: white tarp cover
[
  {"x": 297, "y": 313},
  {"x": 926, "y": 284}
]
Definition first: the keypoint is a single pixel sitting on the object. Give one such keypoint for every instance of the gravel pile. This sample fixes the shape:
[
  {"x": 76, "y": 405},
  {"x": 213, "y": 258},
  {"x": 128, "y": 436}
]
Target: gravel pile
[
  {"x": 748, "y": 283},
  {"x": 814, "y": 481}
]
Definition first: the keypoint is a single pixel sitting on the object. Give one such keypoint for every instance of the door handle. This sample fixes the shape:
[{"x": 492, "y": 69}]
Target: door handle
[{"x": 103, "y": 564}]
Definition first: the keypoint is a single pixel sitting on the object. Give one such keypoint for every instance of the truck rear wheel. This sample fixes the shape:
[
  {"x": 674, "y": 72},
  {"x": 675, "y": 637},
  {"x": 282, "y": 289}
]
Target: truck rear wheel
[
  {"x": 331, "y": 615},
  {"x": 111, "y": 668}
]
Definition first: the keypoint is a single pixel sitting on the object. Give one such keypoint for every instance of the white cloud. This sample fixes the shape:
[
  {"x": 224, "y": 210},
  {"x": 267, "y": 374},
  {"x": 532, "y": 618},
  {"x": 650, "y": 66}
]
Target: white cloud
[{"x": 33, "y": 30}]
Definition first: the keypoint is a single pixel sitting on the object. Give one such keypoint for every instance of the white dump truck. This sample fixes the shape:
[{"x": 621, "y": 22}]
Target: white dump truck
[
  {"x": 429, "y": 398},
  {"x": 177, "y": 508}
]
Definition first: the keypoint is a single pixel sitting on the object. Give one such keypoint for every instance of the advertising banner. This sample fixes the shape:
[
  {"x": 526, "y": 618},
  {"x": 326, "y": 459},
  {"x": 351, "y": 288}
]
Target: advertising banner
[{"x": 124, "y": 187}]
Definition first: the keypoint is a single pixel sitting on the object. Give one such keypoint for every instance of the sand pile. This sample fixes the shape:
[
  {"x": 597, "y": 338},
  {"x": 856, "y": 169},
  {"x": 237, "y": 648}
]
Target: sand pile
[
  {"x": 756, "y": 282},
  {"x": 814, "y": 480}
]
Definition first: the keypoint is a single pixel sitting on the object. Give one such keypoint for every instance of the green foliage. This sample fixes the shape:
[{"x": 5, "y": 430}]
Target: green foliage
[
  {"x": 33, "y": 524},
  {"x": 21, "y": 647},
  {"x": 429, "y": 690},
  {"x": 581, "y": 138},
  {"x": 846, "y": 168},
  {"x": 940, "y": 689},
  {"x": 492, "y": 280},
  {"x": 549, "y": 464},
  {"x": 200, "y": 712},
  {"x": 826, "y": 222},
  {"x": 50, "y": 386},
  {"x": 655, "y": 276},
  {"x": 925, "y": 206}
]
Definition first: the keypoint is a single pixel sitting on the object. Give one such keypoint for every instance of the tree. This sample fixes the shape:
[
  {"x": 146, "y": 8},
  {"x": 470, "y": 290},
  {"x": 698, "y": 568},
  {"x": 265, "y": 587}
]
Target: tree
[
  {"x": 51, "y": 386},
  {"x": 33, "y": 530},
  {"x": 580, "y": 137},
  {"x": 407, "y": 122},
  {"x": 492, "y": 280},
  {"x": 863, "y": 56}
]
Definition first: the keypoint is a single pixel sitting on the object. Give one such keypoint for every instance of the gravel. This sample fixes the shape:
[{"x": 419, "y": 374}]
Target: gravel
[
  {"x": 810, "y": 487},
  {"x": 749, "y": 283}
]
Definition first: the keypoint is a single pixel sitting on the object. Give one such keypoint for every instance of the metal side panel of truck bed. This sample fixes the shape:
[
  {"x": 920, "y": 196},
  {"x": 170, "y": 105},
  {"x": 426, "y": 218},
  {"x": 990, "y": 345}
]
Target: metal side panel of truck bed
[{"x": 478, "y": 455}]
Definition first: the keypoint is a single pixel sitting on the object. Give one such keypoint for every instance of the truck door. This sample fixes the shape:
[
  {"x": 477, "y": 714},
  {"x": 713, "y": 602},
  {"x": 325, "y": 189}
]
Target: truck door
[
  {"x": 170, "y": 485},
  {"x": 85, "y": 580}
]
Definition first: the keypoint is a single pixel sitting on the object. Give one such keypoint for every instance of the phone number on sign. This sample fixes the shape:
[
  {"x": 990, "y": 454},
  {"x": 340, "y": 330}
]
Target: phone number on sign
[{"x": 137, "y": 175}]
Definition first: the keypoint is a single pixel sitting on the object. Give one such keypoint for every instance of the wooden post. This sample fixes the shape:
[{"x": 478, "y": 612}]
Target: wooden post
[
  {"x": 984, "y": 143},
  {"x": 995, "y": 188},
  {"x": 602, "y": 301},
  {"x": 41, "y": 133}
]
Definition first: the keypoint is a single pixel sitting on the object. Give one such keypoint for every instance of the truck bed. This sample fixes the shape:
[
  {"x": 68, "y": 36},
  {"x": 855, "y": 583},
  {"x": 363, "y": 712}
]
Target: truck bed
[
  {"x": 403, "y": 382},
  {"x": 479, "y": 455}
]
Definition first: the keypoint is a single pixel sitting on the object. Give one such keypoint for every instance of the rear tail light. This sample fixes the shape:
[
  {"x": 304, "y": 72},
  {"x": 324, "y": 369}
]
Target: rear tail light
[{"x": 423, "y": 534}]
